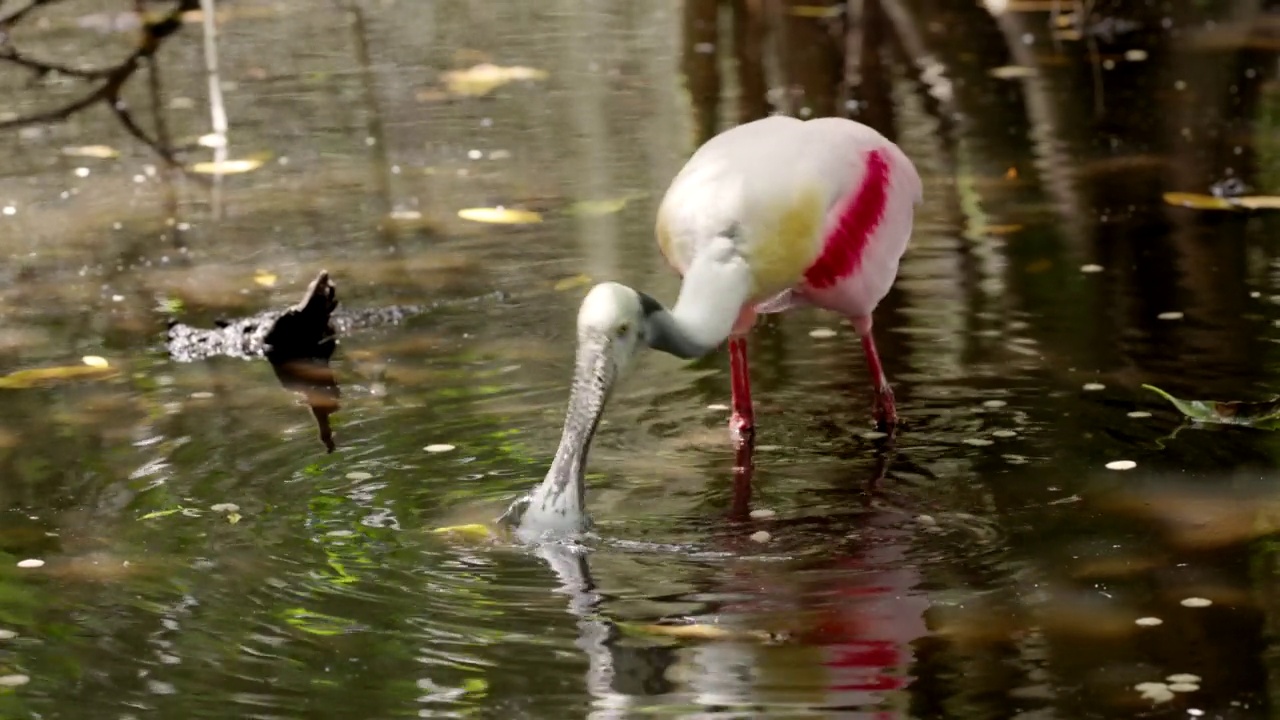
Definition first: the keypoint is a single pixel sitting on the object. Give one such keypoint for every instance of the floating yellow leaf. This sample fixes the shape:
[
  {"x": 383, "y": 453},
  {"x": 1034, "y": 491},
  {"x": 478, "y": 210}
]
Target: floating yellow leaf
[
  {"x": 592, "y": 208},
  {"x": 473, "y": 531},
  {"x": 233, "y": 518},
  {"x": 484, "y": 78},
  {"x": 36, "y": 377},
  {"x": 1259, "y": 202},
  {"x": 572, "y": 282},
  {"x": 264, "y": 278},
  {"x": 1197, "y": 201},
  {"x": 91, "y": 151},
  {"x": 1011, "y": 72},
  {"x": 95, "y": 361},
  {"x": 227, "y": 167},
  {"x": 500, "y": 215}
]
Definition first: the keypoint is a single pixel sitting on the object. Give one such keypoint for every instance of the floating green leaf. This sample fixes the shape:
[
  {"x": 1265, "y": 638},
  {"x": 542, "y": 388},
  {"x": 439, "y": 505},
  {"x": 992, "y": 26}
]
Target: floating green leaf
[
  {"x": 1265, "y": 414},
  {"x": 317, "y": 623}
]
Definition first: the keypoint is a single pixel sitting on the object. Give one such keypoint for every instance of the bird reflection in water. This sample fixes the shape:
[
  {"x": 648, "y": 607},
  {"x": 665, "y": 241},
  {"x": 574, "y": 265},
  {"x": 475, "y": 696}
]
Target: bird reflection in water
[{"x": 844, "y": 639}]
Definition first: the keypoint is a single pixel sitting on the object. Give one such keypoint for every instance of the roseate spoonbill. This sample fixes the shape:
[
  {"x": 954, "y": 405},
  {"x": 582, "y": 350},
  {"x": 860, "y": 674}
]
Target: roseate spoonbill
[{"x": 770, "y": 215}]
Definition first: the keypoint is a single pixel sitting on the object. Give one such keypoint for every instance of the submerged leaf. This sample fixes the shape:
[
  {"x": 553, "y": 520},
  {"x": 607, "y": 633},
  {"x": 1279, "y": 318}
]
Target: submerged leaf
[
  {"x": 700, "y": 631},
  {"x": 500, "y": 216},
  {"x": 484, "y": 78},
  {"x": 1255, "y": 414},
  {"x": 571, "y": 282},
  {"x": 815, "y": 11},
  {"x": 91, "y": 151},
  {"x": 162, "y": 513},
  {"x": 1011, "y": 72},
  {"x": 228, "y": 167},
  {"x": 595, "y": 208},
  {"x": 36, "y": 377}
]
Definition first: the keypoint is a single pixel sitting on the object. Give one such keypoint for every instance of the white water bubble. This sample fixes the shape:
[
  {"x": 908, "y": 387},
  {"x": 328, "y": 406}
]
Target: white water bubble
[
  {"x": 1139, "y": 414},
  {"x": 439, "y": 448},
  {"x": 31, "y": 563},
  {"x": 763, "y": 513},
  {"x": 360, "y": 475},
  {"x": 1196, "y": 602},
  {"x": 1121, "y": 465},
  {"x": 761, "y": 536},
  {"x": 1090, "y": 268},
  {"x": 1093, "y": 387},
  {"x": 1173, "y": 315},
  {"x": 994, "y": 403},
  {"x": 1148, "y": 621},
  {"x": 822, "y": 333}
]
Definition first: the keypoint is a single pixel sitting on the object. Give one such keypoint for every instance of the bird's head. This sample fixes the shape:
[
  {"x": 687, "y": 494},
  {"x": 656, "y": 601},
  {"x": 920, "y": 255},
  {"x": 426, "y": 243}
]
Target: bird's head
[{"x": 612, "y": 324}]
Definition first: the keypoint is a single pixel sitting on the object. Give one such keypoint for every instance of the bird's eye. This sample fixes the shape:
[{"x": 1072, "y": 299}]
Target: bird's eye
[{"x": 623, "y": 329}]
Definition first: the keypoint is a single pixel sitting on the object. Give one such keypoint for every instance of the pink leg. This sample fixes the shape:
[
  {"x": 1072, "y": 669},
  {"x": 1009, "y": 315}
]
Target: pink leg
[
  {"x": 885, "y": 413},
  {"x": 742, "y": 424}
]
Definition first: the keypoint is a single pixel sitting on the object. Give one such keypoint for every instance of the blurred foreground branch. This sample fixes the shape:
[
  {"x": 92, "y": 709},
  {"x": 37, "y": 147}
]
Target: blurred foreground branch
[{"x": 108, "y": 81}]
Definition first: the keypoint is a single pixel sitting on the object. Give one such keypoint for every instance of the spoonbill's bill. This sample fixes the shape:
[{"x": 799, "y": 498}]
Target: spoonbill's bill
[{"x": 767, "y": 216}]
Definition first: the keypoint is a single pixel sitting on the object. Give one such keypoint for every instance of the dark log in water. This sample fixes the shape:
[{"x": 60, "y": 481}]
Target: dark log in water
[
  {"x": 298, "y": 342},
  {"x": 306, "y": 330}
]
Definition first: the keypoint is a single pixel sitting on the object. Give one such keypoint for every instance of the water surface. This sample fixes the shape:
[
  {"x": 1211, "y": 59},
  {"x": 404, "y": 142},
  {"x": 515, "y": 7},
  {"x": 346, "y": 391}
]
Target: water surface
[{"x": 205, "y": 558}]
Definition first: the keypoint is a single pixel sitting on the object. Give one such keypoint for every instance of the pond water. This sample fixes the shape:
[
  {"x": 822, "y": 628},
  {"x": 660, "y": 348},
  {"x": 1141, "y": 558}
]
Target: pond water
[{"x": 204, "y": 557}]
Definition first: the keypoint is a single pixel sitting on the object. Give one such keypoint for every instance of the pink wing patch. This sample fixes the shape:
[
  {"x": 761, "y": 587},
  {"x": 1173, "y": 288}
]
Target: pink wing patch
[{"x": 842, "y": 251}]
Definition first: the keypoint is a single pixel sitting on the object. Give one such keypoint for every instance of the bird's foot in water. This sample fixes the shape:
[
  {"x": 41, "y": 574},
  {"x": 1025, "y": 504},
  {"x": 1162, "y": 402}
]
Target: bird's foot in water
[
  {"x": 885, "y": 411},
  {"x": 742, "y": 429}
]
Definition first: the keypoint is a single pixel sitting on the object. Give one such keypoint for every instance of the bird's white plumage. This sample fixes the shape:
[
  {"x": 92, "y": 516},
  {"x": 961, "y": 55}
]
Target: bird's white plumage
[{"x": 777, "y": 186}]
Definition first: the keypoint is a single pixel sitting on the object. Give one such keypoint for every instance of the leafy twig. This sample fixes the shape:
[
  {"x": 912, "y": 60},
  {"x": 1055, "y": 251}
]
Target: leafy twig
[{"x": 112, "y": 79}]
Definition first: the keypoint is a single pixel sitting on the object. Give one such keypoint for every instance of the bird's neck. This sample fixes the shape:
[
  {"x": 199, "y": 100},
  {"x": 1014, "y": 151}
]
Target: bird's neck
[
  {"x": 716, "y": 286},
  {"x": 558, "y": 505}
]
